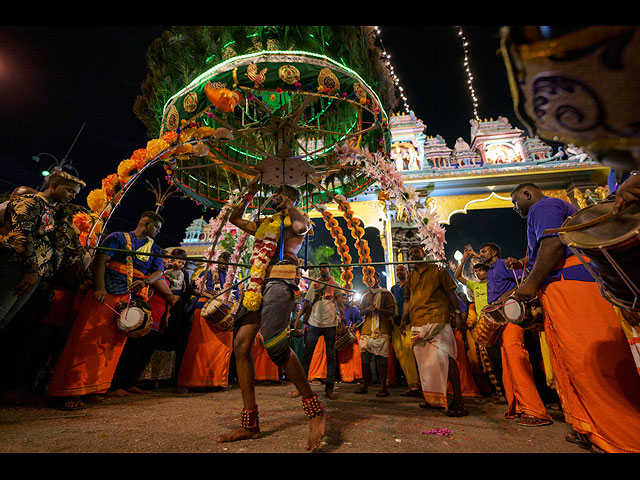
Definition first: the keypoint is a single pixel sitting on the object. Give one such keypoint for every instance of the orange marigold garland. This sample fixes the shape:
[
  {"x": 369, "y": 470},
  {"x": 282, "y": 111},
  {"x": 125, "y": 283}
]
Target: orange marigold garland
[
  {"x": 357, "y": 232},
  {"x": 340, "y": 242}
]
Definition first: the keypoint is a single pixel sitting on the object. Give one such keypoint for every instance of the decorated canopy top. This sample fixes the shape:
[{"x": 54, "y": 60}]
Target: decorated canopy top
[{"x": 274, "y": 101}]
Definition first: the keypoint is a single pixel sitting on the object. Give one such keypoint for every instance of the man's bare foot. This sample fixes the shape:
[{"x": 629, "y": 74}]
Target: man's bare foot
[
  {"x": 294, "y": 394},
  {"x": 317, "y": 428},
  {"x": 240, "y": 433},
  {"x": 118, "y": 392},
  {"x": 134, "y": 390}
]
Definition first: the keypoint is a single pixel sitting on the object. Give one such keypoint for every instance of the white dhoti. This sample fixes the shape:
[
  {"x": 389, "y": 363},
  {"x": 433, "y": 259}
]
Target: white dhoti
[
  {"x": 376, "y": 345},
  {"x": 433, "y": 344}
]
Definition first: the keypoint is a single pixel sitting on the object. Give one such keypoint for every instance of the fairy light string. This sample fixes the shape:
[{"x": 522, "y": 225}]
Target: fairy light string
[
  {"x": 388, "y": 64},
  {"x": 465, "y": 45}
]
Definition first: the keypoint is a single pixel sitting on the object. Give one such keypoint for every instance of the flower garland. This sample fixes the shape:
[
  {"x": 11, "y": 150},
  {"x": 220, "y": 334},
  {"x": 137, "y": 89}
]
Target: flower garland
[
  {"x": 264, "y": 247},
  {"x": 238, "y": 251},
  {"x": 357, "y": 232},
  {"x": 340, "y": 242},
  {"x": 405, "y": 197},
  {"x": 102, "y": 200}
]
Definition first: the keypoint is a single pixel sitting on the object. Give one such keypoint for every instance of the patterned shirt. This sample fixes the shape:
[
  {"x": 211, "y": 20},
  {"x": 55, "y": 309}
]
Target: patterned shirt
[{"x": 31, "y": 239}]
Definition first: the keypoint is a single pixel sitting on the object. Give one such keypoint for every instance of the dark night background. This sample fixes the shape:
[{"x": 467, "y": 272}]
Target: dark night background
[{"x": 54, "y": 79}]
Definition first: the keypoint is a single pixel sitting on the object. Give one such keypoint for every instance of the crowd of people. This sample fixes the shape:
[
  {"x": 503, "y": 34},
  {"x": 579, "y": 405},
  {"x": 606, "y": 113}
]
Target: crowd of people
[{"x": 60, "y": 301}]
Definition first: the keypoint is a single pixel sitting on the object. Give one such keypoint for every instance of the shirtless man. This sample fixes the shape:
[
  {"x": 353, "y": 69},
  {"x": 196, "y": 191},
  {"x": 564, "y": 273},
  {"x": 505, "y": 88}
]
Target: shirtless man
[{"x": 272, "y": 320}]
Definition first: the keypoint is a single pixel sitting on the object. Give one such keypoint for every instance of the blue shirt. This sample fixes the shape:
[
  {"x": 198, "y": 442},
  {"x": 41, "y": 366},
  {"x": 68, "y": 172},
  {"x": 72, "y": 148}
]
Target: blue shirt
[
  {"x": 501, "y": 279},
  {"x": 545, "y": 214},
  {"x": 398, "y": 292},
  {"x": 352, "y": 315},
  {"x": 115, "y": 282}
]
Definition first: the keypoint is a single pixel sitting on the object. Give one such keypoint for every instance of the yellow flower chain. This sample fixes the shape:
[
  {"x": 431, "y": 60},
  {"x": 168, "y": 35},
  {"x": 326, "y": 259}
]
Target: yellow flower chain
[{"x": 267, "y": 235}]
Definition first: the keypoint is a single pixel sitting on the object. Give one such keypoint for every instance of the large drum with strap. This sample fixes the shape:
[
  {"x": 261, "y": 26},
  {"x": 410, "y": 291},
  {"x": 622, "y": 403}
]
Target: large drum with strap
[
  {"x": 488, "y": 328},
  {"x": 344, "y": 339},
  {"x": 220, "y": 313},
  {"x": 607, "y": 245},
  {"x": 527, "y": 315},
  {"x": 134, "y": 317}
]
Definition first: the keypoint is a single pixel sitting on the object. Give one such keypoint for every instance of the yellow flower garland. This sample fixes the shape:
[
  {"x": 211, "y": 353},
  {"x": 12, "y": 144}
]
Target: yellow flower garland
[{"x": 264, "y": 247}]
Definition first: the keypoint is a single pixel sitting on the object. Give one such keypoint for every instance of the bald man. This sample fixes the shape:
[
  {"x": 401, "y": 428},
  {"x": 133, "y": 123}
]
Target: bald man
[{"x": 597, "y": 381}]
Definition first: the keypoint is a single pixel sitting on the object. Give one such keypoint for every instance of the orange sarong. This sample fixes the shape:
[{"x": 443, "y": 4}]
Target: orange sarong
[
  {"x": 318, "y": 365},
  {"x": 349, "y": 361},
  {"x": 467, "y": 383},
  {"x": 92, "y": 351},
  {"x": 520, "y": 388},
  {"x": 263, "y": 366},
  {"x": 596, "y": 376},
  {"x": 206, "y": 359}
]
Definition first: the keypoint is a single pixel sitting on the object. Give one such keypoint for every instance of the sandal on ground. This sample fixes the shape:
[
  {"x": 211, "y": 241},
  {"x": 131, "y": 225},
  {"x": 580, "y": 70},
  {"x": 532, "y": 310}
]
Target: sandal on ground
[
  {"x": 72, "y": 403},
  {"x": 411, "y": 393},
  {"x": 456, "y": 411},
  {"x": 382, "y": 394},
  {"x": 362, "y": 390},
  {"x": 531, "y": 421},
  {"x": 579, "y": 439}
]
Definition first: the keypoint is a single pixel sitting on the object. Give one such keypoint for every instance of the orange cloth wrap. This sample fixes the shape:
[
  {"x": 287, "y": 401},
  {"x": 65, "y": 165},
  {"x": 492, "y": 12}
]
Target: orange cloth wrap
[
  {"x": 597, "y": 380},
  {"x": 206, "y": 359},
  {"x": 92, "y": 351}
]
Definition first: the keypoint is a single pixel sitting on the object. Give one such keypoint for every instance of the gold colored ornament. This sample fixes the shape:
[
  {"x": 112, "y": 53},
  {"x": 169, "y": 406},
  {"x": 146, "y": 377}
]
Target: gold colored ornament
[
  {"x": 190, "y": 102},
  {"x": 289, "y": 74},
  {"x": 258, "y": 78},
  {"x": 328, "y": 79},
  {"x": 359, "y": 91},
  {"x": 173, "y": 118}
]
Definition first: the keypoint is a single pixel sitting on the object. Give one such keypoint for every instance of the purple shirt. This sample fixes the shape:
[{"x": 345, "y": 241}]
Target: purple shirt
[
  {"x": 501, "y": 279},
  {"x": 549, "y": 213}
]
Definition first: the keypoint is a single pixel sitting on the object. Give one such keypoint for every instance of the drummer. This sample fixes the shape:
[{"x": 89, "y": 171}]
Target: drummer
[
  {"x": 94, "y": 346},
  {"x": 520, "y": 390},
  {"x": 596, "y": 377}
]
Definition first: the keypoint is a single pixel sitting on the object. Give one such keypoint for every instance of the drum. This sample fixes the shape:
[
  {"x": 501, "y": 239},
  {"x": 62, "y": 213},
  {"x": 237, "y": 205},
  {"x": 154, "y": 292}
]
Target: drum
[
  {"x": 134, "y": 319},
  {"x": 220, "y": 314},
  {"x": 345, "y": 339},
  {"x": 489, "y": 326},
  {"x": 527, "y": 315},
  {"x": 611, "y": 247}
]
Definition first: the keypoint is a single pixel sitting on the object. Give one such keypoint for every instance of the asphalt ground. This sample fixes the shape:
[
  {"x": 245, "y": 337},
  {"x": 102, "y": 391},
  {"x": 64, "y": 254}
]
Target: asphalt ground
[{"x": 162, "y": 421}]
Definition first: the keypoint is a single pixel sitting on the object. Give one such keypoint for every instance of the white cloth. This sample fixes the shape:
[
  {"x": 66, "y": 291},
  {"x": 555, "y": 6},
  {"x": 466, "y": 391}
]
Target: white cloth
[
  {"x": 378, "y": 345},
  {"x": 323, "y": 310},
  {"x": 433, "y": 345}
]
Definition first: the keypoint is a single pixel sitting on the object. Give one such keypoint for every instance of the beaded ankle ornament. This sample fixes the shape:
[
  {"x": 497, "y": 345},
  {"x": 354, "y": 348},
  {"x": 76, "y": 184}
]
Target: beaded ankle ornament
[
  {"x": 249, "y": 418},
  {"x": 312, "y": 406}
]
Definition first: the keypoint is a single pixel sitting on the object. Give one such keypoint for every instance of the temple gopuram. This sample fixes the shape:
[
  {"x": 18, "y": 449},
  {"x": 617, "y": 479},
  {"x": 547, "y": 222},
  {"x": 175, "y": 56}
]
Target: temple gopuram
[{"x": 457, "y": 177}]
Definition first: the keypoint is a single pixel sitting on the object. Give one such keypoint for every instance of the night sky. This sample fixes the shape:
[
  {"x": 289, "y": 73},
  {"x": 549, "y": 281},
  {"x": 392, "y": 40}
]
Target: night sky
[{"x": 54, "y": 80}]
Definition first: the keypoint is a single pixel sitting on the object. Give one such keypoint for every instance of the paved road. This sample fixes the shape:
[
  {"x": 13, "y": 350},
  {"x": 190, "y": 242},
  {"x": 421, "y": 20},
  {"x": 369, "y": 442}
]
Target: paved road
[{"x": 161, "y": 421}]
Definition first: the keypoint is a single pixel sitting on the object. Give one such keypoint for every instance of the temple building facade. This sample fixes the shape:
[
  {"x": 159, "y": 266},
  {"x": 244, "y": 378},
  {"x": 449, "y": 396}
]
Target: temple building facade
[{"x": 455, "y": 176}]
